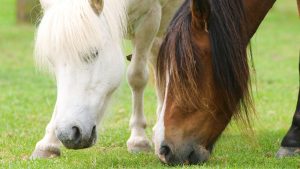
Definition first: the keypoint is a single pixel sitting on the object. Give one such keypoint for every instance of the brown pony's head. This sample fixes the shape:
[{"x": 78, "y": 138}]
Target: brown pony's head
[{"x": 203, "y": 76}]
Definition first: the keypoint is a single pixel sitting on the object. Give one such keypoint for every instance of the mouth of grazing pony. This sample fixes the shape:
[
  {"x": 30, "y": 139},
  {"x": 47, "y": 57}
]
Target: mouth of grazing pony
[{"x": 187, "y": 154}]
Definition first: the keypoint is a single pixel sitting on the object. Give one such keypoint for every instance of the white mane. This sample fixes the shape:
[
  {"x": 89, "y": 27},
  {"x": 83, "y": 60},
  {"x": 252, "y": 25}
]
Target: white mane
[{"x": 70, "y": 29}]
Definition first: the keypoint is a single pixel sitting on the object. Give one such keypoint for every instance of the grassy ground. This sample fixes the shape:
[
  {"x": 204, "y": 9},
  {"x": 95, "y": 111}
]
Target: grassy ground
[{"x": 27, "y": 98}]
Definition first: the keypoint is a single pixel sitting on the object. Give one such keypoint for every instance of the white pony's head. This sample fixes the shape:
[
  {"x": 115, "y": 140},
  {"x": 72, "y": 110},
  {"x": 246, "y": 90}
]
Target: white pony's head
[{"x": 79, "y": 41}]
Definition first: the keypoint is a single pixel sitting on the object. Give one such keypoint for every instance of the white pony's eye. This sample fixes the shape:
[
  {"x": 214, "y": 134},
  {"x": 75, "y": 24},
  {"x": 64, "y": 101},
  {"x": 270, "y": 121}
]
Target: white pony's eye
[
  {"x": 94, "y": 55},
  {"x": 91, "y": 56}
]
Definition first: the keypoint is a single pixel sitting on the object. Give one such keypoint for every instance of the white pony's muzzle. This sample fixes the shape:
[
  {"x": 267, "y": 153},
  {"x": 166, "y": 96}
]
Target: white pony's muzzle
[{"x": 76, "y": 135}]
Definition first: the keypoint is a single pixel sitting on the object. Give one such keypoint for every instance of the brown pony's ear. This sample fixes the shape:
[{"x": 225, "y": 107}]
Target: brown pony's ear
[
  {"x": 200, "y": 12},
  {"x": 97, "y": 5}
]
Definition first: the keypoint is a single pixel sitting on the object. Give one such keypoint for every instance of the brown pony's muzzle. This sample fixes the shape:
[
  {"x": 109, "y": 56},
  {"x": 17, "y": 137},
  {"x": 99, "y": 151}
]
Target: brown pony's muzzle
[{"x": 186, "y": 154}]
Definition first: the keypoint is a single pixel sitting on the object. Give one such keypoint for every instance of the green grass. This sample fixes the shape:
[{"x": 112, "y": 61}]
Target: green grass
[{"x": 27, "y": 98}]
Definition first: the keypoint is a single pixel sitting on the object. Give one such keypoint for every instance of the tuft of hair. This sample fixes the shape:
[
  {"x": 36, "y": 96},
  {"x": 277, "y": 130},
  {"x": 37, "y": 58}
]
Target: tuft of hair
[
  {"x": 229, "y": 39},
  {"x": 180, "y": 58},
  {"x": 70, "y": 30}
]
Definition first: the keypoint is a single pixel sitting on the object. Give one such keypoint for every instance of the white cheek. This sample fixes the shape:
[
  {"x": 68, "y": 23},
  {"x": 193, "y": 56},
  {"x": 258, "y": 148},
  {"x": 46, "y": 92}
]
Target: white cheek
[{"x": 70, "y": 90}]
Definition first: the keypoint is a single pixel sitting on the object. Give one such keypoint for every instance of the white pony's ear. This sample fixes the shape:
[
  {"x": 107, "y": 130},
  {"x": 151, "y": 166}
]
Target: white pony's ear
[
  {"x": 46, "y": 3},
  {"x": 97, "y": 5}
]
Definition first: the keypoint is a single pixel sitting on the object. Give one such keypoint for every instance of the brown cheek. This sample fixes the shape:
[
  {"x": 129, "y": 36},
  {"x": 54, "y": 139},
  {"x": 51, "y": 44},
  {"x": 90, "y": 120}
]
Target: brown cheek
[
  {"x": 200, "y": 127},
  {"x": 206, "y": 129},
  {"x": 174, "y": 124}
]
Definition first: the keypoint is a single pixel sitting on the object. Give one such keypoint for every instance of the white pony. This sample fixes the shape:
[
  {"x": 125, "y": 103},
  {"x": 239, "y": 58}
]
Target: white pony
[{"x": 80, "y": 42}]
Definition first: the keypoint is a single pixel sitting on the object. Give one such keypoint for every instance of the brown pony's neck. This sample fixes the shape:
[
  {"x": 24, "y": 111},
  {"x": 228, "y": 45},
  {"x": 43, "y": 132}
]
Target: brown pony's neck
[
  {"x": 255, "y": 11},
  {"x": 298, "y": 3}
]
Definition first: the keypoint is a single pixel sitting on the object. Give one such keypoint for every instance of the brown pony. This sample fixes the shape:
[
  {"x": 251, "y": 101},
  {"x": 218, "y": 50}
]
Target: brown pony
[{"x": 203, "y": 75}]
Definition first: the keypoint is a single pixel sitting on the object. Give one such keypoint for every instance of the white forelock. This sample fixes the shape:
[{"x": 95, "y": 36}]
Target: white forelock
[{"x": 70, "y": 29}]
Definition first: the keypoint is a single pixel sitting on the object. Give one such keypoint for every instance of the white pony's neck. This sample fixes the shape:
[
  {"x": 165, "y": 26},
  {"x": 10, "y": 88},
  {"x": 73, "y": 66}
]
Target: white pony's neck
[{"x": 70, "y": 28}]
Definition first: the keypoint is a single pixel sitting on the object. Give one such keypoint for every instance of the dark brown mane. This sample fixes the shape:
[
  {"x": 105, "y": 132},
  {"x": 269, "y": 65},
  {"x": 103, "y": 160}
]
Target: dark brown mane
[{"x": 181, "y": 58}]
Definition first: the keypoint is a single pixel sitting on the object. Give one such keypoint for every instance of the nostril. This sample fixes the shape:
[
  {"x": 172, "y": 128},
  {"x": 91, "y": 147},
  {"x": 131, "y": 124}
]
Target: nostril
[
  {"x": 164, "y": 150},
  {"x": 76, "y": 134},
  {"x": 93, "y": 135},
  {"x": 94, "y": 130}
]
